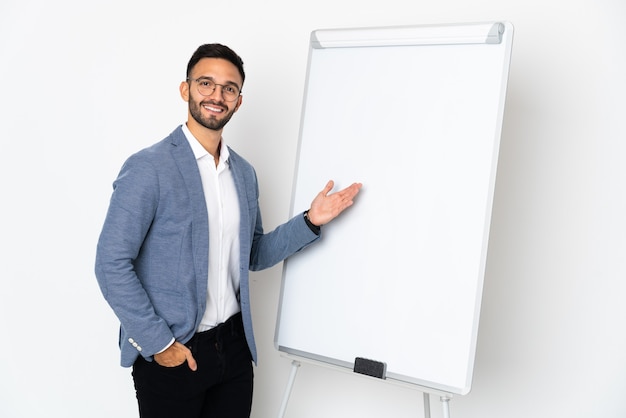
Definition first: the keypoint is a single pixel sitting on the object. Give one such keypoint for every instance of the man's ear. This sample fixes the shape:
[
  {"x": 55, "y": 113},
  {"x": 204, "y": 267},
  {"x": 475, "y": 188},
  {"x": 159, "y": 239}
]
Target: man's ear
[
  {"x": 184, "y": 90},
  {"x": 239, "y": 101}
]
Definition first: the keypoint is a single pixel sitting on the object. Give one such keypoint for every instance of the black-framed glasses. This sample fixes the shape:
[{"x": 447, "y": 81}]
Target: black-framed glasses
[{"x": 206, "y": 87}]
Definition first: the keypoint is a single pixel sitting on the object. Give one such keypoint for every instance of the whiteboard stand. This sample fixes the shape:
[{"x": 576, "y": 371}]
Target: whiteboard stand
[
  {"x": 445, "y": 402},
  {"x": 295, "y": 366},
  {"x": 426, "y": 405}
]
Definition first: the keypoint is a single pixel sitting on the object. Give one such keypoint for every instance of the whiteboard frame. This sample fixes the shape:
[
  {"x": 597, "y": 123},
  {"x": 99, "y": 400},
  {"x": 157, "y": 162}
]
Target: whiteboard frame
[{"x": 496, "y": 33}]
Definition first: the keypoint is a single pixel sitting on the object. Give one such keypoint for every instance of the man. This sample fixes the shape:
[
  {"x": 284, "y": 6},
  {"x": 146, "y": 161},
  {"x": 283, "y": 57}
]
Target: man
[{"x": 181, "y": 233}]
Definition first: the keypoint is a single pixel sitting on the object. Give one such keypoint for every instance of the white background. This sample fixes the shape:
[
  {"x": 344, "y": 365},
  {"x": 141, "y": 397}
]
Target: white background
[{"x": 84, "y": 84}]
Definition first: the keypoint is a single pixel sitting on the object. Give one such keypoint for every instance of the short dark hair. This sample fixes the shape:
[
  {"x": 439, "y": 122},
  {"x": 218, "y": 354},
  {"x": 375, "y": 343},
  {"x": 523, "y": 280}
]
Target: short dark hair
[{"x": 216, "y": 51}]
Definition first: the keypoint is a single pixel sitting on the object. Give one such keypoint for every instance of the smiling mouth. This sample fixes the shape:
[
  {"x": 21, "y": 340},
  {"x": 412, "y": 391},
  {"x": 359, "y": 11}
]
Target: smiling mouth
[{"x": 213, "y": 108}]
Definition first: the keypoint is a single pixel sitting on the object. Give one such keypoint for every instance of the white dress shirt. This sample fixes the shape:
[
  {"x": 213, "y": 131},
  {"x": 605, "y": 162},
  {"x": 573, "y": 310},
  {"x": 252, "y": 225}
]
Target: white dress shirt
[{"x": 223, "y": 208}]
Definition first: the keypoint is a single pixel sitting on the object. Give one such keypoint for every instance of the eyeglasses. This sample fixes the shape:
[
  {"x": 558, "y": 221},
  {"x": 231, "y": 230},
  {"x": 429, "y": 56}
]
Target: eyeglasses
[{"x": 206, "y": 87}]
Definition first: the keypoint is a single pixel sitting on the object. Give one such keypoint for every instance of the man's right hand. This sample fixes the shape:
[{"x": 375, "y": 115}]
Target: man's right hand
[{"x": 175, "y": 355}]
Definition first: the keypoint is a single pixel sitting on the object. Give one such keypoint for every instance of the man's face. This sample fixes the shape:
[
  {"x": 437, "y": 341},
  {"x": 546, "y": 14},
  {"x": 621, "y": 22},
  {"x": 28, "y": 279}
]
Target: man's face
[{"x": 212, "y": 111}]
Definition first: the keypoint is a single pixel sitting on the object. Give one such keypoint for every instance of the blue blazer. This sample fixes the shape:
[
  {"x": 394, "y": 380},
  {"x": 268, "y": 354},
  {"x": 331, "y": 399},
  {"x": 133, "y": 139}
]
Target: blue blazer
[{"x": 152, "y": 254}]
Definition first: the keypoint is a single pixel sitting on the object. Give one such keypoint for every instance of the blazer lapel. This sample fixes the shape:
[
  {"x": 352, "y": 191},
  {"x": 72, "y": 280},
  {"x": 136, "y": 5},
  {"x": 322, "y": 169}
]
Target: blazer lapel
[
  {"x": 188, "y": 167},
  {"x": 245, "y": 224}
]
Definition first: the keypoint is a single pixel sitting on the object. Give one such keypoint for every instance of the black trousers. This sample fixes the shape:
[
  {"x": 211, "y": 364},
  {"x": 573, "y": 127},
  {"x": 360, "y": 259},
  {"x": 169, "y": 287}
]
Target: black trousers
[{"x": 221, "y": 387}]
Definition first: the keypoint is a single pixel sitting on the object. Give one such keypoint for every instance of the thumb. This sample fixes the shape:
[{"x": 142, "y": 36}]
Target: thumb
[
  {"x": 328, "y": 188},
  {"x": 191, "y": 362}
]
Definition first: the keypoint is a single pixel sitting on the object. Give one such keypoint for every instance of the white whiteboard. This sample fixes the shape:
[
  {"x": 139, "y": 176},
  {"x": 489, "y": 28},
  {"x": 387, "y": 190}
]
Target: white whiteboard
[{"x": 414, "y": 113}]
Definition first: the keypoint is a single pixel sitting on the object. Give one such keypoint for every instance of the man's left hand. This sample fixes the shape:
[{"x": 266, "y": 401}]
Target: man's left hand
[{"x": 326, "y": 207}]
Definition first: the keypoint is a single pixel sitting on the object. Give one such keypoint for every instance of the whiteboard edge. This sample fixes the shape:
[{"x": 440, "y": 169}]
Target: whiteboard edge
[
  {"x": 508, "y": 40},
  {"x": 434, "y": 34},
  {"x": 294, "y": 188}
]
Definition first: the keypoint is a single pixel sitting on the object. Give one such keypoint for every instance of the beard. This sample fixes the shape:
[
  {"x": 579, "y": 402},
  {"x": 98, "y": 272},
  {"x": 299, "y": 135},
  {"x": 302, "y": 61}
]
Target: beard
[{"x": 211, "y": 122}]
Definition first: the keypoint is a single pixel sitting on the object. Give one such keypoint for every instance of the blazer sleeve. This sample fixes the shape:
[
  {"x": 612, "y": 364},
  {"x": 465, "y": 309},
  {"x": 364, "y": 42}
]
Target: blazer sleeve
[
  {"x": 132, "y": 208},
  {"x": 284, "y": 241}
]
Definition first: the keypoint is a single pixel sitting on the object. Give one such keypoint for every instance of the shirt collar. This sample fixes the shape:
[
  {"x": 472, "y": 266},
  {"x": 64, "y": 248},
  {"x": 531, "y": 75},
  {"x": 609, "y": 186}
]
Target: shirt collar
[{"x": 198, "y": 149}]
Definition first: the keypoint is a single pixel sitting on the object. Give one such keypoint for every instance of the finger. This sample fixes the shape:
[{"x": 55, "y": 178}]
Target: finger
[
  {"x": 354, "y": 189},
  {"x": 350, "y": 191},
  {"x": 328, "y": 188},
  {"x": 191, "y": 362}
]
